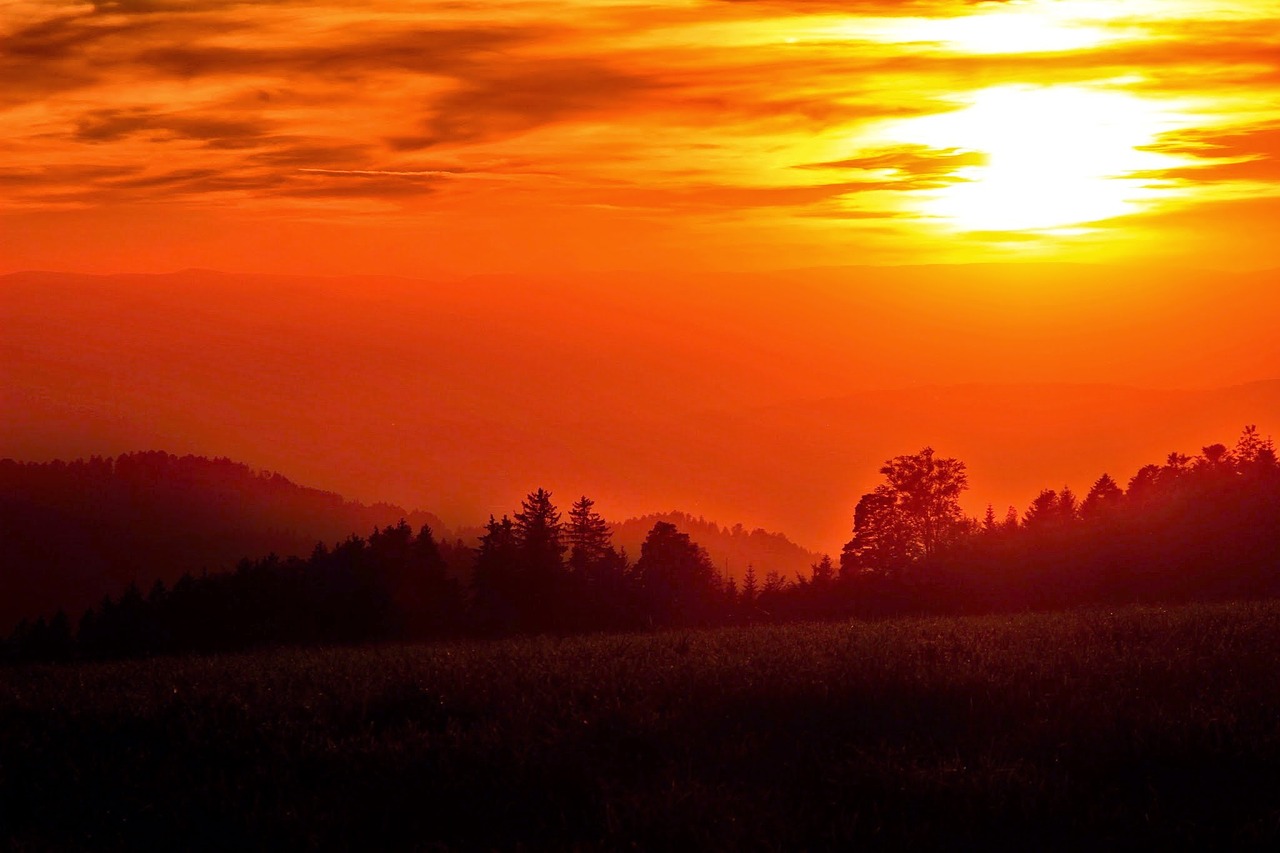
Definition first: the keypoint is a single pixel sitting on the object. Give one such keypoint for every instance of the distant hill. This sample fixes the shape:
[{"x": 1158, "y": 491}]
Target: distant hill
[
  {"x": 72, "y": 532},
  {"x": 732, "y": 549},
  {"x": 773, "y": 399}
]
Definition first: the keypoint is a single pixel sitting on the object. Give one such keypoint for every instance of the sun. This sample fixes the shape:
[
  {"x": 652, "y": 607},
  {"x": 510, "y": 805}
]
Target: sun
[{"x": 1052, "y": 157}]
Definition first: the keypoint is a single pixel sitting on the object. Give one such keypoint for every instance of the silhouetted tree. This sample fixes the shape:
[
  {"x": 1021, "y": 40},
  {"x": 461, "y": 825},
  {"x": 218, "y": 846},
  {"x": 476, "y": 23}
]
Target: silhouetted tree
[
  {"x": 1051, "y": 509},
  {"x": 1145, "y": 485},
  {"x": 1104, "y": 498},
  {"x": 1252, "y": 451},
  {"x": 750, "y": 587},
  {"x": 588, "y": 536},
  {"x": 429, "y": 598},
  {"x": 539, "y": 535},
  {"x": 989, "y": 523},
  {"x": 823, "y": 573},
  {"x": 495, "y": 581},
  {"x": 883, "y": 536},
  {"x": 539, "y": 539},
  {"x": 911, "y": 517},
  {"x": 677, "y": 580}
]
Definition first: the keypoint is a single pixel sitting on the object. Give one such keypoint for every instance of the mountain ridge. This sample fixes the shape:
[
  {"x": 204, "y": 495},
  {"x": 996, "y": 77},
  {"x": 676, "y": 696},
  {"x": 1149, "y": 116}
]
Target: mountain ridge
[{"x": 643, "y": 391}]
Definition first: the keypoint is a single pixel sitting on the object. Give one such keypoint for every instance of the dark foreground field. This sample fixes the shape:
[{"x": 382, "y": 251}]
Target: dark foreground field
[{"x": 1142, "y": 726}]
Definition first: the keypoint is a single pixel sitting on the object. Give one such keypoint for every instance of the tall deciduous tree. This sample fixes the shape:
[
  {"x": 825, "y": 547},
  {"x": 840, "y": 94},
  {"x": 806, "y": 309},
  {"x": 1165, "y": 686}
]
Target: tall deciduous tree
[
  {"x": 677, "y": 578},
  {"x": 909, "y": 518}
]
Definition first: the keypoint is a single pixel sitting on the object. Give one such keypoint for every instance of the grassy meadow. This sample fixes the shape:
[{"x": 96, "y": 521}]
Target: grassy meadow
[{"x": 1103, "y": 727}]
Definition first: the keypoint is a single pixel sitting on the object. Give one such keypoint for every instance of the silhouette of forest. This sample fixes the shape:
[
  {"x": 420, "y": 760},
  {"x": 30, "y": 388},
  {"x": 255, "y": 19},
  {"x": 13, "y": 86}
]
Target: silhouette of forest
[
  {"x": 1202, "y": 527},
  {"x": 732, "y": 548},
  {"x": 73, "y": 532}
]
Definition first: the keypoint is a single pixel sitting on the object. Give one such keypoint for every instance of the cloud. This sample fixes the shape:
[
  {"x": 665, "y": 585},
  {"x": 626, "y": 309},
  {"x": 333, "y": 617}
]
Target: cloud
[
  {"x": 866, "y": 7},
  {"x": 415, "y": 50},
  {"x": 19, "y": 180},
  {"x": 110, "y": 125},
  {"x": 333, "y": 184},
  {"x": 704, "y": 108},
  {"x": 727, "y": 197},
  {"x": 302, "y": 153},
  {"x": 149, "y": 7},
  {"x": 917, "y": 167},
  {"x": 1236, "y": 154},
  {"x": 514, "y": 98}
]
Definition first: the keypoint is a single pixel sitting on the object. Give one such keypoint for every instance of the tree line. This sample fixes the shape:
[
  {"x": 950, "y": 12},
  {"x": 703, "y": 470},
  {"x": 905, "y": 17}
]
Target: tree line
[
  {"x": 74, "y": 531},
  {"x": 1193, "y": 528}
]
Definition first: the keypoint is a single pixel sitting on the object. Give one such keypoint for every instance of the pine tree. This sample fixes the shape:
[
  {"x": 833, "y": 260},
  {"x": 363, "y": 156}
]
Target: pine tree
[
  {"x": 494, "y": 583},
  {"x": 750, "y": 586},
  {"x": 539, "y": 536},
  {"x": 543, "y": 601},
  {"x": 1103, "y": 498},
  {"x": 588, "y": 537},
  {"x": 427, "y": 599},
  {"x": 823, "y": 571}
]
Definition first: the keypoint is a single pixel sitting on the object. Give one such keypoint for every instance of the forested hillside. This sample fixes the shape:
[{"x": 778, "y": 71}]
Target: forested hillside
[
  {"x": 731, "y": 549},
  {"x": 72, "y": 532}
]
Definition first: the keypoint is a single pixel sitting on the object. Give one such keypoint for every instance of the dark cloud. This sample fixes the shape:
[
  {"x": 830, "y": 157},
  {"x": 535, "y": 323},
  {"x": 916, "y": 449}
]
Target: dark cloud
[
  {"x": 293, "y": 152},
  {"x": 167, "y": 179},
  {"x": 21, "y": 179},
  {"x": 150, "y": 7},
  {"x": 360, "y": 185},
  {"x": 507, "y": 100},
  {"x": 56, "y": 38},
  {"x": 140, "y": 7},
  {"x": 107, "y": 185},
  {"x": 71, "y": 52},
  {"x": 219, "y": 132},
  {"x": 66, "y": 53},
  {"x": 421, "y": 51}
]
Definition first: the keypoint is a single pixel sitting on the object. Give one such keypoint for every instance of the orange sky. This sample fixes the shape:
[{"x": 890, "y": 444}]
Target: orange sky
[
  {"x": 387, "y": 136},
  {"x": 793, "y": 169}
]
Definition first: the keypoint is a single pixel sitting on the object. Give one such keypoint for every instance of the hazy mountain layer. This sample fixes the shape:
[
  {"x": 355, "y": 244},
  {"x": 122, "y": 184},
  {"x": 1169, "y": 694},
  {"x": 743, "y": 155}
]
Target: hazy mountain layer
[
  {"x": 734, "y": 397},
  {"x": 73, "y": 533}
]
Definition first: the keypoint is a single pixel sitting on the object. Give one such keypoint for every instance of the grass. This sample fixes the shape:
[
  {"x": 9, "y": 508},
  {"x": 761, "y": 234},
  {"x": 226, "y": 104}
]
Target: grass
[{"x": 1098, "y": 728}]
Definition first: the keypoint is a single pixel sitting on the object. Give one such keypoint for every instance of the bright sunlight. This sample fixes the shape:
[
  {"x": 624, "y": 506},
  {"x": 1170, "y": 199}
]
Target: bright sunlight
[{"x": 1055, "y": 156}]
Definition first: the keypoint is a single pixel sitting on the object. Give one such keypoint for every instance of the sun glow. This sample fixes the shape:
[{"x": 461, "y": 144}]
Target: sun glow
[
  {"x": 1017, "y": 30},
  {"x": 1054, "y": 156}
]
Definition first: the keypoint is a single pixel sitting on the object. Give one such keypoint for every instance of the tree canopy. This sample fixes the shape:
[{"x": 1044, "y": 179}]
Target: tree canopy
[{"x": 910, "y": 517}]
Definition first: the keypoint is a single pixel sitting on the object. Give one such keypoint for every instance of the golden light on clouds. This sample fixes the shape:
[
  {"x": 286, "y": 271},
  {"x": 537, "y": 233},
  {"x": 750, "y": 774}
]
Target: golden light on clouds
[
  {"x": 383, "y": 136},
  {"x": 1052, "y": 156}
]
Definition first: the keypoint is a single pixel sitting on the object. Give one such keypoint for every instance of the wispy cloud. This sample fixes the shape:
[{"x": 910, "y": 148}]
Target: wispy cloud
[{"x": 695, "y": 109}]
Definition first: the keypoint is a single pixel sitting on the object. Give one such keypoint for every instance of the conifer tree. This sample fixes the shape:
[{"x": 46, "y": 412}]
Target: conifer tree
[
  {"x": 1104, "y": 497},
  {"x": 539, "y": 536},
  {"x": 588, "y": 536},
  {"x": 750, "y": 586},
  {"x": 495, "y": 587}
]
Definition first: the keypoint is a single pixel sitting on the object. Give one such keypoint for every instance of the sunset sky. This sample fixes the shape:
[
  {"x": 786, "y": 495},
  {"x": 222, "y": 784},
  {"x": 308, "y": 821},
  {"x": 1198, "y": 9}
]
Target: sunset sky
[
  {"x": 733, "y": 255},
  {"x": 452, "y": 137}
]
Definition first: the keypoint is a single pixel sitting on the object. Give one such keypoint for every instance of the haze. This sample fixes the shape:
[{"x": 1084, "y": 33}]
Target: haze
[{"x": 724, "y": 257}]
